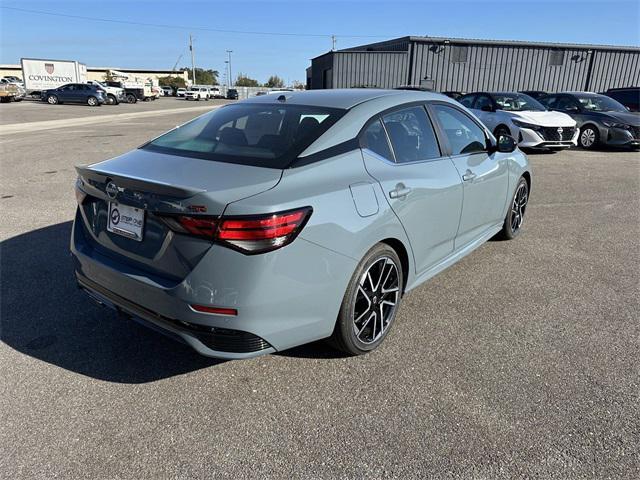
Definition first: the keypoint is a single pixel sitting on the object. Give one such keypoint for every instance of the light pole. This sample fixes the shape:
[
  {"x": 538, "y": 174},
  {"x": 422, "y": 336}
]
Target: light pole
[
  {"x": 193, "y": 62},
  {"x": 226, "y": 73},
  {"x": 229, "y": 52}
]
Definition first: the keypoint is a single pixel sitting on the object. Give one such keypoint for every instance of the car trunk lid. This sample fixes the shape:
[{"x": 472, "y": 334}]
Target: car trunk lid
[{"x": 160, "y": 185}]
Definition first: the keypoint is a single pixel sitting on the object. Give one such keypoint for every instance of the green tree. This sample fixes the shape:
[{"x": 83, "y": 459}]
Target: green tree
[
  {"x": 274, "y": 82},
  {"x": 175, "y": 82},
  {"x": 244, "y": 81},
  {"x": 205, "y": 77}
]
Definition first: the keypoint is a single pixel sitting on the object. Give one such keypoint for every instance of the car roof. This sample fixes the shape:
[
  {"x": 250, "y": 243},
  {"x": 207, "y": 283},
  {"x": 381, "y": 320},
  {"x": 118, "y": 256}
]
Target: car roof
[
  {"x": 344, "y": 98},
  {"x": 578, "y": 93}
]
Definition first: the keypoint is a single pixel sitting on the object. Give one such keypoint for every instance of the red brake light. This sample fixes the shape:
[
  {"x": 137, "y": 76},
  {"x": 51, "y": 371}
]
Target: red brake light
[
  {"x": 250, "y": 234},
  {"x": 230, "y": 312},
  {"x": 202, "y": 227}
]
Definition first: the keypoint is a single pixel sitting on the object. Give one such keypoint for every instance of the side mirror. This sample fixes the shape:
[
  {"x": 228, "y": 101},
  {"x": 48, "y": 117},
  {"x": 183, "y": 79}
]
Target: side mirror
[
  {"x": 487, "y": 108},
  {"x": 506, "y": 144}
]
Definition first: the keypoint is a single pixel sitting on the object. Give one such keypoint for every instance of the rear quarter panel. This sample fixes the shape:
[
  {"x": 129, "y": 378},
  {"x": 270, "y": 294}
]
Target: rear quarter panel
[{"x": 335, "y": 223}]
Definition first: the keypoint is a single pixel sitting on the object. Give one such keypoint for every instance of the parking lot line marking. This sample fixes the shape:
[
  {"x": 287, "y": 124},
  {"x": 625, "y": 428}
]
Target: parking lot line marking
[{"x": 14, "y": 128}]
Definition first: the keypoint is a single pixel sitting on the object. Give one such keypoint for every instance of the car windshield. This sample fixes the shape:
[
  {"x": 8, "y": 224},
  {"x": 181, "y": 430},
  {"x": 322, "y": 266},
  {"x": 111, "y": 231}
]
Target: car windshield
[
  {"x": 517, "y": 102},
  {"x": 600, "y": 103},
  {"x": 262, "y": 135}
]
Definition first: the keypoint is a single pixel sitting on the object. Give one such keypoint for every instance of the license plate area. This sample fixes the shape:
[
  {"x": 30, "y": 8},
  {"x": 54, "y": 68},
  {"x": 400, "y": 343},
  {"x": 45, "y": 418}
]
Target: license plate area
[{"x": 126, "y": 221}]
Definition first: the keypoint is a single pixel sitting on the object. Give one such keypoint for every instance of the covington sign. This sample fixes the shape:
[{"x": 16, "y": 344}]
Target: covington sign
[{"x": 50, "y": 78}]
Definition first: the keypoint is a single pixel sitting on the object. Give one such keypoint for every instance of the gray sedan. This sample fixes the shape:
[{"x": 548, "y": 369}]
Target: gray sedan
[{"x": 285, "y": 219}]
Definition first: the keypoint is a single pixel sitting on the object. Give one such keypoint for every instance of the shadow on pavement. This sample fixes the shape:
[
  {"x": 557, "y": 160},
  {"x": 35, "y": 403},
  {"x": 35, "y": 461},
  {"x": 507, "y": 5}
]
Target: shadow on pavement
[{"x": 44, "y": 315}]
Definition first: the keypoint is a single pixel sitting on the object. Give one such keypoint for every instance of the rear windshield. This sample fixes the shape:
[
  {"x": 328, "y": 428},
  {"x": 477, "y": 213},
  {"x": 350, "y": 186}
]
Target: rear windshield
[{"x": 261, "y": 135}]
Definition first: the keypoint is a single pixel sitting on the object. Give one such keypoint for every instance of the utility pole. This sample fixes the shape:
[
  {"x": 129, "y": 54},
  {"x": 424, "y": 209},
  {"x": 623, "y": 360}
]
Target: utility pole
[
  {"x": 193, "y": 63},
  {"x": 229, "y": 52},
  {"x": 333, "y": 43}
]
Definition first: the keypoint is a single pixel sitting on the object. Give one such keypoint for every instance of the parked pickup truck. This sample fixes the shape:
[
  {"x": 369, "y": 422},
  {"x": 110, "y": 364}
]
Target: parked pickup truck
[
  {"x": 114, "y": 95},
  {"x": 10, "y": 91}
]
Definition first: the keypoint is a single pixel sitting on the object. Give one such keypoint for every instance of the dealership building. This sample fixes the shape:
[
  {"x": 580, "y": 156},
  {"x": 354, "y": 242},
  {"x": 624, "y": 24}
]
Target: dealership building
[
  {"x": 465, "y": 65},
  {"x": 99, "y": 73}
]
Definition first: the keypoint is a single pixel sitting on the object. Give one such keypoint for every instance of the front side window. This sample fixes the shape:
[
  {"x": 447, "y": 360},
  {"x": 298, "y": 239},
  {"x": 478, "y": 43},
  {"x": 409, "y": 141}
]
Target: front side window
[
  {"x": 411, "y": 135},
  {"x": 467, "y": 100},
  {"x": 464, "y": 135},
  {"x": 565, "y": 104},
  {"x": 549, "y": 101},
  {"x": 484, "y": 101},
  {"x": 270, "y": 136}
]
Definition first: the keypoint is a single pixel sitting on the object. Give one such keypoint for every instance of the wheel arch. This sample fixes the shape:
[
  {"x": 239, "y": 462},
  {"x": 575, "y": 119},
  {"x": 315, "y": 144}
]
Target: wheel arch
[
  {"x": 403, "y": 254},
  {"x": 527, "y": 176}
]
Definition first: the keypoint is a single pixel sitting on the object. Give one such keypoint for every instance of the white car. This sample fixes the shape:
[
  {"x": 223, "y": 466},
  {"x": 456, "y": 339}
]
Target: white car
[
  {"x": 114, "y": 95},
  {"x": 197, "y": 93},
  {"x": 524, "y": 118},
  {"x": 181, "y": 92},
  {"x": 168, "y": 91}
]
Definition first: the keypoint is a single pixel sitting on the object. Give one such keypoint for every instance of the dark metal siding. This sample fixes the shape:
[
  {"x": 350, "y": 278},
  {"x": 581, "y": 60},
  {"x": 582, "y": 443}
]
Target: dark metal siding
[
  {"x": 615, "y": 69},
  {"x": 493, "y": 68},
  {"x": 490, "y": 65},
  {"x": 369, "y": 69},
  {"x": 318, "y": 66}
]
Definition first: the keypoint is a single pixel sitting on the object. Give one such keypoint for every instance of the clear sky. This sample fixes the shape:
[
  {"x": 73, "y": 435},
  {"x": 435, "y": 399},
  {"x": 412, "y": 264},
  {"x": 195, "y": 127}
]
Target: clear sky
[{"x": 132, "y": 45}]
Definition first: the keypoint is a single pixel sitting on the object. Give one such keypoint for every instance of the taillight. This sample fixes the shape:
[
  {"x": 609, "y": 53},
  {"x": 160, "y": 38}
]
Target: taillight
[{"x": 248, "y": 234}]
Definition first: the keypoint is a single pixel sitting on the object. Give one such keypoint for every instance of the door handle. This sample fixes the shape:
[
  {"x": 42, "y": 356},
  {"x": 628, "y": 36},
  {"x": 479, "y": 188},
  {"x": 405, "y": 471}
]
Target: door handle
[
  {"x": 468, "y": 176},
  {"x": 400, "y": 192}
]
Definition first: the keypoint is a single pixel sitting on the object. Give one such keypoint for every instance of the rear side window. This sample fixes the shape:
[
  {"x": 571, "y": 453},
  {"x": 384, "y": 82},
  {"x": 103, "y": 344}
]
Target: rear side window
[
  {"x": 263, "y": 135},
  {"x": 375, "y": 139},
  {"x": 411, "y": 134},
  {"x": 464, "y": 135}
]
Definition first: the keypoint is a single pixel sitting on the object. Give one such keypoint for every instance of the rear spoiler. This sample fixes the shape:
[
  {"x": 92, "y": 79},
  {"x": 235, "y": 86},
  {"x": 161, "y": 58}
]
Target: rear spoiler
[{"x": 133, "y": 183}]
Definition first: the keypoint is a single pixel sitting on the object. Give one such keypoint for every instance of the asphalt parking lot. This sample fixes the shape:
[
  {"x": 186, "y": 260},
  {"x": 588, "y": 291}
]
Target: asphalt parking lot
[{"x": 521, "y": 361}]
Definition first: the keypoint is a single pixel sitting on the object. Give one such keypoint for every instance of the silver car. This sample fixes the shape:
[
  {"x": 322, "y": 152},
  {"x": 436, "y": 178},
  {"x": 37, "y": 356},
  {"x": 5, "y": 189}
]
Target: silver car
[{"x": 281, "y": 220}]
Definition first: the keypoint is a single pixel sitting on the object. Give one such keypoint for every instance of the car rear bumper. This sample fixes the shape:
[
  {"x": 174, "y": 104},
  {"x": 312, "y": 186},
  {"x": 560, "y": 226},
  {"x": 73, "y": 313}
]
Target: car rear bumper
[{"x": 283, "y": 298}]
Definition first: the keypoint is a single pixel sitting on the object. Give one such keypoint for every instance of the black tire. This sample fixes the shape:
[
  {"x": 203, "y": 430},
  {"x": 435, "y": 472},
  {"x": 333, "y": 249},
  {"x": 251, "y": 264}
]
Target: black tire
[
  {"x": 111, "y": 99},
  {"x": 93, "y": 101},
  {"x": 360, "y": 291},
  {"x": 589, "y": 137},
  {"x": 52, "y": 100},
  {"x": 517, "y": 208},
  {"x": 131, "y": 98},
  {"x": 501, "y": 130}
]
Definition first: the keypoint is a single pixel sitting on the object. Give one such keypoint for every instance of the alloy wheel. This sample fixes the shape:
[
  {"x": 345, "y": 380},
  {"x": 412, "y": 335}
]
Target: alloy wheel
[
  {"x": 376, "y": 300},
  {"x": 92, "y": 101},
  {"x": 587, "y": 137},
  {"x": 519, "y": 206},
  {"x": 52, "y": 100}
]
